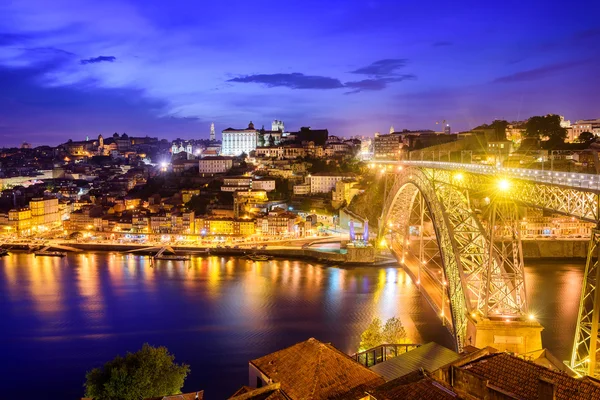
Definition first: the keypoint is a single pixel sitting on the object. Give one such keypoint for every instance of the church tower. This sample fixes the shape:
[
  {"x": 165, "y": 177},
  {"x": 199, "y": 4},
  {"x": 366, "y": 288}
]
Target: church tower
[{"x": 212, "y": 132}]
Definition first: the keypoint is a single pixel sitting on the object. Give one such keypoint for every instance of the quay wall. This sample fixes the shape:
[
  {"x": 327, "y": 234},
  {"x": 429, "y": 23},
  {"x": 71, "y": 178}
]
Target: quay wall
[
  {"x": 545, "y": 248},
  {"x": 298, "y": 253}
]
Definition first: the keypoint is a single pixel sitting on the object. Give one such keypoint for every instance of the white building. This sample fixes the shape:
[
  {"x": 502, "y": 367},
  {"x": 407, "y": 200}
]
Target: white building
[
  {"x": 180, "y": 146},
  {"x": 324, "y": 182},
  {"x": 277, "y": 125},
  {"x": 267, "y": 185},
  {"x": 238, "y": 141},
  {"x": 301, "y": 190},
  {"x": 215, "y": 165},
  {"x": 586, "y": 125}
]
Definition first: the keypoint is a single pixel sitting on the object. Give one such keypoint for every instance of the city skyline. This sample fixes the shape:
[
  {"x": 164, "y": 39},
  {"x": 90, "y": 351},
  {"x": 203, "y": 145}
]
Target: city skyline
[{"x": 71, "y": 69}]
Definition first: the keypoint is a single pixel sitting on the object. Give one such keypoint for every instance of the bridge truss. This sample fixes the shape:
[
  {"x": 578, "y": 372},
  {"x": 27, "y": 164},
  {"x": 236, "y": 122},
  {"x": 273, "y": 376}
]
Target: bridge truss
[
  {"x": 484, "y": 277},
  {"x": 482, "y": 255}
]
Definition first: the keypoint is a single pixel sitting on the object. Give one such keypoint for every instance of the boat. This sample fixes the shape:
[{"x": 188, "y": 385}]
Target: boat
[
  {"x": 4, "y": 252},
  {"x": 258, "y": 257},
  {"x": 46, "y": 253},
  {"x": 172, "y": 257}
]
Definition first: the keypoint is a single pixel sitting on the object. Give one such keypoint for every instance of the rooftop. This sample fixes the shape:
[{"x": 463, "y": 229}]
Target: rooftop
[
  {"x": 515, "y": 375},
  {"x": 182, "y": 396},
  {"x": 416, "y": 385},
  {"x": 270, "y": 392},
  {"x": 314, "y": 370},
  {"x": 430, "y": 356}
]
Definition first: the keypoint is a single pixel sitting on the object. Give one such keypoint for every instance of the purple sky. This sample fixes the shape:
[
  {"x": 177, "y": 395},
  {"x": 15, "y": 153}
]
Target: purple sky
[{"x": 71, "y": 68}]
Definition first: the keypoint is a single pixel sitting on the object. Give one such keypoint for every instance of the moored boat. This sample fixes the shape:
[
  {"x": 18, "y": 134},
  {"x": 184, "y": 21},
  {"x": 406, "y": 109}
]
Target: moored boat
[
  {"x": 46, "y": 253},
  {"x": 258, "y": 257},
  {"x": 172, "y": 257}
]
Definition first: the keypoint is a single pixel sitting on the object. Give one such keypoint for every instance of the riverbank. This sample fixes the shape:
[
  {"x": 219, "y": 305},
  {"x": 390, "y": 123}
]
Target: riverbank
[
  {"x": 549, "y": 248},
  {"x": 304, "y": 254}
]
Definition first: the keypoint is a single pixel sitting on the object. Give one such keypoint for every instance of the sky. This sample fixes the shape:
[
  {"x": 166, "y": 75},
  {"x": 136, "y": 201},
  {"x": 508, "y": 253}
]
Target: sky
[{"x": 77, "y": 68}]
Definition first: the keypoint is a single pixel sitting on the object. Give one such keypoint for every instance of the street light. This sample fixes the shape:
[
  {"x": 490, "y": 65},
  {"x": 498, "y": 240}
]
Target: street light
[{"x": 504, "y": 185}]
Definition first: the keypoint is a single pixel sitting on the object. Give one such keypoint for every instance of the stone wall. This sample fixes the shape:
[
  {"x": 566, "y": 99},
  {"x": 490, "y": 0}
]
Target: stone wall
[{"x": 555, "y": 248}]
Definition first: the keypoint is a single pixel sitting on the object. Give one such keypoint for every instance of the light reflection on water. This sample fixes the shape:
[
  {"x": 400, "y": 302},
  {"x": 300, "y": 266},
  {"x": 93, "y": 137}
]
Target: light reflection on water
[{"x": 65, "y": 316}]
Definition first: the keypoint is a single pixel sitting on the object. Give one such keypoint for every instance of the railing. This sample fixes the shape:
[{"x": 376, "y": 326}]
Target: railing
[
  {"x": 379, "y": 354},
  {"x": 570, "y": 179}
]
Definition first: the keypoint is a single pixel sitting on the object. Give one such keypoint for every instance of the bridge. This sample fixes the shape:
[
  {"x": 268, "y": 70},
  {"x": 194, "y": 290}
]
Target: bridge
[{"x": 455, "y": 227}]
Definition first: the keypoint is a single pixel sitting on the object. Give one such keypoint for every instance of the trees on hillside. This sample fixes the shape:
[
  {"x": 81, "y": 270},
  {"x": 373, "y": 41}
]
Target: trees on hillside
[
  {"x": 149, "y": 372},
  {"x": 586, "y": 137},
  {"x": 548, "y": 126},
  {"x": 499, "y": 127},
  {"x": 377, "y": 334}
]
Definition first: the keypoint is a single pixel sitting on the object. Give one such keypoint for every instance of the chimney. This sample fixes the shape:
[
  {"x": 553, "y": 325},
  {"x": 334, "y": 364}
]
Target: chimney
[{"x": 546, "y": 389}]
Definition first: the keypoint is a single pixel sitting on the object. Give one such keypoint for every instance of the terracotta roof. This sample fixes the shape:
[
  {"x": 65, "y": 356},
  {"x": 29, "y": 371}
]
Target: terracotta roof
[
  {"x": 182, "y": 396},
  {"x": 515, "y": 375},
  {"x": 430, "y": 356},
  {"x": 313, "y": 370},
  {"x": 270, "y": 392},
  {"x": 416, "y": 385}
]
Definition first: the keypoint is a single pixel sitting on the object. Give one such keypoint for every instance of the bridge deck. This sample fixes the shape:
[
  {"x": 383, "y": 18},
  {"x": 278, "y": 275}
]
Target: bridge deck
[
  {"x": 429, "y": 286},
  {"x": 567, "y": 179}
]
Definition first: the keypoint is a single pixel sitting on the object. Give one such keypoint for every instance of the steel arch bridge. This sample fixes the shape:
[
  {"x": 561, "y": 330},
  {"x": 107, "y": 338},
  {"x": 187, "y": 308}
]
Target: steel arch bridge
[{"x": 480, "y": 251}]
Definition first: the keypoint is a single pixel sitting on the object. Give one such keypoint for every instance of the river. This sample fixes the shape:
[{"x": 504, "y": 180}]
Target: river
[{"x": 62, "y": 317}]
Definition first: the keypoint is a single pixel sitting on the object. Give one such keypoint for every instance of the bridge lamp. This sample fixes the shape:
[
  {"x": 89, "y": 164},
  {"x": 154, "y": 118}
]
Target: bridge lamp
[
  {"x": 400, "y": 168},
  {"x": 504, "y": 185},
  {"x": 383, "y": 243},
  {"x": 458, "y": 176},
  {"x": 531, "y": 317}
]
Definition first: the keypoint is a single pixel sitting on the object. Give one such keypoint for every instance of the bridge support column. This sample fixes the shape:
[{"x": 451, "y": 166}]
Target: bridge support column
[
  {"x": 516, "y": 336},
  {"x": 584, "y": 359}
]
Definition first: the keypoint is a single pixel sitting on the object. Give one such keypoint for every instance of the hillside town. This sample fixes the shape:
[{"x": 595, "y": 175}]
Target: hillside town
[{"x": 255, "y": 184}]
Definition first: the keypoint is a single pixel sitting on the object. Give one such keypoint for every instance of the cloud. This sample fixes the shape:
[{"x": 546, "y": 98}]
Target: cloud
[
  {"x": 382, "y": 68},
  {"x": 537, "y": 73},
  {"x": 77, "y": 110},
  {"x": 7, "y": 39},
  {"x": 442, "y": 43},
  {"x": 376, "y": 83},
  {"x": 49, "y": 51},
  {"x": 98, "y": 59},
  {"x": 293, "y": 80}
]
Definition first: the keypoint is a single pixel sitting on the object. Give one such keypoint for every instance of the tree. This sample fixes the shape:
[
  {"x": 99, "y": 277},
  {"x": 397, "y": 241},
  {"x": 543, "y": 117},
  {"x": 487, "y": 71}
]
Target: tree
[
  {"x": 149, "y": 372},
  {"x": 499, "y": 127},
  {"x": 547, "y": 126},
  {"x": 375, "y": 335},
  {"x": 585, "y": 137},
  {"x": 261, "y": 137},
  {"x": 372, "y": 336},
  {"x": 393, "y": 331},
  {"x": 271, "y": 140}
]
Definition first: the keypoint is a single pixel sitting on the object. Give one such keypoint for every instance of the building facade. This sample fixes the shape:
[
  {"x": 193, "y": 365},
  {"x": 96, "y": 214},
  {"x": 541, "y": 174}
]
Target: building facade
[
  {"x": 214, "y": 165},
  {"x": 387, "y": 147},
  {"x": 324, "y": 182},
  {"x": 238, "y": 141}
]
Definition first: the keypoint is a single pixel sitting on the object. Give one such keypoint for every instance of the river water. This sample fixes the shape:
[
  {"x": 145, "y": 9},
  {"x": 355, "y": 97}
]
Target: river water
[{"x": 62, "y": 317}]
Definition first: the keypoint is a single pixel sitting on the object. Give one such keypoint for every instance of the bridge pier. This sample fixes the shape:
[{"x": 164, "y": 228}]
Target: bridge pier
[{"x": 515, "y": 336}]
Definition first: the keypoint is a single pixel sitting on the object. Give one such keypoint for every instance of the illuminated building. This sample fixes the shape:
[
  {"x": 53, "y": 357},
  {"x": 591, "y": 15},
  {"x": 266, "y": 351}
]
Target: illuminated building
[
  {"x": 238, "y": 141},
  {"x": 387, "y": 147},
  {"x": 212, "y": 132},
  {"x": 225, "y": 226},
  {"x": 324, "y": 182},
  {"x": 41, "y": 215},
  {"x": 302, "y": 190},
  {"x": 344, "y": 192},
  {"x": 20, "y": 220},
  {"x": 245, "y": 201},
  {"x": 214, "y": 165}
]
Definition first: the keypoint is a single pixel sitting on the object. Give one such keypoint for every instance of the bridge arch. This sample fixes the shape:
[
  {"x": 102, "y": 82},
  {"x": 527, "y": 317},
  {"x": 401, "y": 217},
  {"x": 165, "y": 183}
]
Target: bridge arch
[{"x": 464, "y": 247}]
